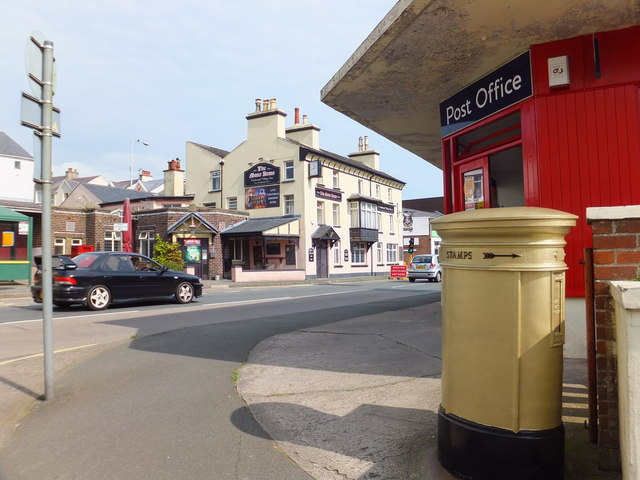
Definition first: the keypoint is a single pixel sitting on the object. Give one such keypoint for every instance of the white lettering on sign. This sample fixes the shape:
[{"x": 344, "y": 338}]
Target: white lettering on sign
[{"x": 495, "y": 91}]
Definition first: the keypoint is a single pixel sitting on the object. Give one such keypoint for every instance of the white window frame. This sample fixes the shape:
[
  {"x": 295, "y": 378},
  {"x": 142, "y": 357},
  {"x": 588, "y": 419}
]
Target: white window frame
[
  {"x": 389, "y": 195},
  {"x": 76, "y": 242},
  {"x": 336, "y": 179},
  {"x": 232, "y": 203},
  {"x": 320, "y": 213},
  {"x": 59, "y": 245},
  {"x": 377, "y": 191},
  {"x": 358, "y": 253},
  {"x": 112, "y": 241},
  {"x": 392, "y": 253},
  {"x": 289, "y": 204},
  {"x": 289, "y": 170},
  {"x": 337, "y": 254},
  {"x": 360, "y": 187},
  {"x": 146, "y": 240},
  {"x": 392, "y": 228},
  {"x": 216, "y": 185},
  {"x": 379, "y": 256},
  {"x": 336, "y": 214}
]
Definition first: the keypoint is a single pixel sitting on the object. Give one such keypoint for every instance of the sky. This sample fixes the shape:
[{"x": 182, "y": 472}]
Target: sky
[{"x": 167, "y": 72}]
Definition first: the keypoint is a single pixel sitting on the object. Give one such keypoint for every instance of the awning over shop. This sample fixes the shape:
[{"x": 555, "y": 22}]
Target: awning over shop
[
  {"x": 324, "y": 233},
  {"x": 12, "y": 215},
  {"x": 273, "y": 227}
]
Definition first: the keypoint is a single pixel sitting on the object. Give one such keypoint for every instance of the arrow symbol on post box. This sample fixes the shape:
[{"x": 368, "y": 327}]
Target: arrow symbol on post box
[{"x": 493, "y": 255}]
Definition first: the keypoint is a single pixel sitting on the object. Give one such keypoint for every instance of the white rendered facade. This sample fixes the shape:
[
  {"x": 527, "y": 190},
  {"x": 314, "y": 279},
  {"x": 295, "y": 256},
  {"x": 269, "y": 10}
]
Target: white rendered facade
[{"x": 342, "y": 219}]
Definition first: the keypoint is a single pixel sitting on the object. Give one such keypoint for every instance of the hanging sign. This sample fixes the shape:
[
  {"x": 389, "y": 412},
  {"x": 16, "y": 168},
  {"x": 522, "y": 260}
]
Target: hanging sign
[
  {"x": 505, "y": 86},
  {"x": 262, "y": 174}
]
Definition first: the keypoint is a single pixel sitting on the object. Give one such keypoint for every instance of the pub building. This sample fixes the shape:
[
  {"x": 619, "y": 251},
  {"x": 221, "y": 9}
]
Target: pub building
[
  {"x": 529, "y": 106},
  {"x": 311, "y": 213}
]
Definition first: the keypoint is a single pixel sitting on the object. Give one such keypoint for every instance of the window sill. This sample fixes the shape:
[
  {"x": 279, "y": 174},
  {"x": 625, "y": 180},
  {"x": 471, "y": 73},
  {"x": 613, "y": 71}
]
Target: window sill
[
  {"x": 338, "y": 266},
  {"x": 359, "y": 266}
]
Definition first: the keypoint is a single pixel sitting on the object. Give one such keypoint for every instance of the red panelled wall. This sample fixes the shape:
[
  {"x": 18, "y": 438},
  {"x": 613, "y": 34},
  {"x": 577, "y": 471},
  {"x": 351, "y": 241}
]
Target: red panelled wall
[
  {"x": 588, "y": 155},
  {"x": 587, "y": 137}
]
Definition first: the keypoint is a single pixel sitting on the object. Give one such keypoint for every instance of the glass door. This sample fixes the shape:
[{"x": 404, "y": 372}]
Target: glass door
[{"x": 472, "y": 185}]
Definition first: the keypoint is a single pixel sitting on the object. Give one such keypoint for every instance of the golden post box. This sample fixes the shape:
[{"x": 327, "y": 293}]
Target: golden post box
[{"x": 502, "y": 338}]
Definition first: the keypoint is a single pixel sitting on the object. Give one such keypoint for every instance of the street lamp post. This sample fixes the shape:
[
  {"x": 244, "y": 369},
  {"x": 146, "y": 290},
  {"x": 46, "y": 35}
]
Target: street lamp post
[{"x": 131, "y": 142}]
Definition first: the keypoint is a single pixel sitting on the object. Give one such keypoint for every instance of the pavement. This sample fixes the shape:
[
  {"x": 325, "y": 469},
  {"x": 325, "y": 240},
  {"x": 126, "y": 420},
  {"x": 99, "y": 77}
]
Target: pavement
[{"x": 353, "y": 399}]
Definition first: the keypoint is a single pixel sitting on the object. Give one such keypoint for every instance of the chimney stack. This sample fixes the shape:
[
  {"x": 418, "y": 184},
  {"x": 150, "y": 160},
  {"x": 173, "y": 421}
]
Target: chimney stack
[
  {"x": 267, "y": 121},
  {"x": 174, "y": 179},
  {"x": 370, "y": 158},
  {"x": 71, "y": 174}
]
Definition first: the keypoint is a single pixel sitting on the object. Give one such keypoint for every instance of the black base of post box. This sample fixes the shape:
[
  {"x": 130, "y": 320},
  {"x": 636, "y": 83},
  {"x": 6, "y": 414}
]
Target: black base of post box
[{"x": 477, "y": 452}]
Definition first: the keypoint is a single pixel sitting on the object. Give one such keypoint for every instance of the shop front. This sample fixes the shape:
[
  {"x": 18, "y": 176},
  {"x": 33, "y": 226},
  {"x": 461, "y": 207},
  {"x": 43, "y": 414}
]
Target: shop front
[{"x": 15, "y": 245}]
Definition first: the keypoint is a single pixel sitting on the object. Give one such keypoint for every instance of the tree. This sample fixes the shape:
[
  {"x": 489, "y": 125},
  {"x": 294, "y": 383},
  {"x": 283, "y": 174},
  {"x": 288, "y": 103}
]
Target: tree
[{"x": 168, "y": 254}]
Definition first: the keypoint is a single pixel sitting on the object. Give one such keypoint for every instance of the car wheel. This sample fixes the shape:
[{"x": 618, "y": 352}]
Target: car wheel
[
  {"x": 438, "y": 277},
  {"x": 412, "y": 280},
  {"x": 184, "y": 292},
  {"x": 98, "y": 298}
]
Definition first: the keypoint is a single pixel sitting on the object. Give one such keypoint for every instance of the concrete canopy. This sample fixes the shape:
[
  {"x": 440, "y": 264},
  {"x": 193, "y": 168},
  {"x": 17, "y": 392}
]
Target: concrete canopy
[{"x": 424, "y": 51}]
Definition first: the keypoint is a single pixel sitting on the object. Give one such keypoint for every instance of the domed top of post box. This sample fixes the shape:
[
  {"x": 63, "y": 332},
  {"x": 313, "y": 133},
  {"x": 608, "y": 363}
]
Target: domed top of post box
[{"x": 504, "y": 222}]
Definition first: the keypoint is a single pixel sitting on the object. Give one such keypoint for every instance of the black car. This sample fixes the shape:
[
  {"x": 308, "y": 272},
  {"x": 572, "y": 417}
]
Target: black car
[{"x": 97, "y": 279}]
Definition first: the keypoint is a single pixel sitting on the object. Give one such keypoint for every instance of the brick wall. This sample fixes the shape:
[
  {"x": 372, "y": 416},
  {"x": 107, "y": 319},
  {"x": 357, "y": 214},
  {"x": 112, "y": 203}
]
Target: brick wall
[{"x": 616, "y": 256}]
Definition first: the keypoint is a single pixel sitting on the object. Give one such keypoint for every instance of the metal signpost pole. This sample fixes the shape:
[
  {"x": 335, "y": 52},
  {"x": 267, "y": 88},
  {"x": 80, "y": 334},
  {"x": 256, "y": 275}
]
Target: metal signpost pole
[{"x": 47, "y": 277}]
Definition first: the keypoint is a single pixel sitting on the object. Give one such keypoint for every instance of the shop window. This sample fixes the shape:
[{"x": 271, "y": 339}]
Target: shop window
[
  {"x": 288, "y": 170},
  {"x": 112, "y": 241},
  {"x": 215, "y": 181},
  {"x": 273, "y": 248},
  {"x": 358, "y": 253},
  {"x": 58, "y": 246},
  {"x": 146, "y": 240}
]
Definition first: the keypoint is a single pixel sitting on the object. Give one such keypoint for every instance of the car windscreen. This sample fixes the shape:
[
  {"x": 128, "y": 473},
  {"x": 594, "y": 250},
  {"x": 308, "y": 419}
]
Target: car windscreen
[
  {"x": 86, "y": 260},
  {"x": 422, "y": 259}
]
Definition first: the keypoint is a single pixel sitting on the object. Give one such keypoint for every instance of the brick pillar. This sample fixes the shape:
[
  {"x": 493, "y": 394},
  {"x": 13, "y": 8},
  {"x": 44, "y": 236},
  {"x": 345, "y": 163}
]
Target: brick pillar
[{"x": 616, "y": 256}]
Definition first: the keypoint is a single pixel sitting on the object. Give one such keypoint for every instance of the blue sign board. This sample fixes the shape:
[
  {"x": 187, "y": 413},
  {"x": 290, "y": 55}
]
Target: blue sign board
[{"x": 505, "y": 86}]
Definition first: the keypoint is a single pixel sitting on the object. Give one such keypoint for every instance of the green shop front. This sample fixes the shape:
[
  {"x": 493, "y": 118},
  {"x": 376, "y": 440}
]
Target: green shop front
[{"x": 16, "y": 232}]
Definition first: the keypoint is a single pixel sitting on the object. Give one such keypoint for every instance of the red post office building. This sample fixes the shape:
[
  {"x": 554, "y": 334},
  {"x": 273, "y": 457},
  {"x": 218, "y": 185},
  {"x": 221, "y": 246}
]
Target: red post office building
[{"x": 552, "y": 123}]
